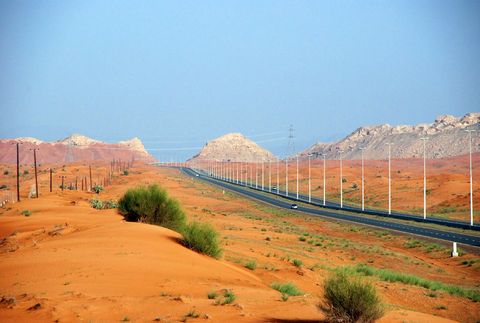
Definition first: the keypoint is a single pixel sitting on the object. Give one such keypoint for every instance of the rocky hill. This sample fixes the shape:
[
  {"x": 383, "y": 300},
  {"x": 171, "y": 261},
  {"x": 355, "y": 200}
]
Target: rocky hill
[
  {"x": 73, "y": 148},
  {"x": 446, "y": 137},
  {"x": 233, "y": 147}
]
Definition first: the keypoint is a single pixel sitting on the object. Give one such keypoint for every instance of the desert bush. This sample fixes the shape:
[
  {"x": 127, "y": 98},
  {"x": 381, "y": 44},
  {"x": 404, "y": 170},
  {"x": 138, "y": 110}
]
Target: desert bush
[
  {"x": 26, "y": 172},
  {"x": 252, "y": 265},
  {"x": 297, "y": 263},
  {"x": 203, "y": 238},
  {"x": 349, "y": 299},
  {"x": 408, "y": 279},
  {"x": 288, "y": 289},
  {"x": 152, "y": 205},
  {"x": 3, "y": 187},
  {"x": 110, "y": 204},
  {"x": 97, "y": 188},
  {"x": 6, "y": 172},
  {"x": 228, "y": 298},
  {"x": 103, "y": 205},
  {"x": 125, "y": 172},
  {"x": 27, "y": 212},
  {"x": 212, "y": 295},
  {"x": 96, "y": 204}
]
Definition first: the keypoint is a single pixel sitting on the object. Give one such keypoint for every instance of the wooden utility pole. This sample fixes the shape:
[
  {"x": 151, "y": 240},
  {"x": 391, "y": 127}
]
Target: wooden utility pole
[
  {"x": 76, "y": 183},
  {"x": 18, "y": 173},
  {"x": 35, "y": 167},
  {"x": 63, "y": 185},
  {"x": 90, "y": 169},
  {"x": 50, "y": 180}
]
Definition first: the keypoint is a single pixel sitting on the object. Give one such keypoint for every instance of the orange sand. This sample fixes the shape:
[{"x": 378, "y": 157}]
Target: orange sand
[{"x": 79, "y": 263}]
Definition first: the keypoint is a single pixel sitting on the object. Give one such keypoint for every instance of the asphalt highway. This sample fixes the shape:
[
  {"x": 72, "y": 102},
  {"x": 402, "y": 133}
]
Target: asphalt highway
[{"x": 336, "y": 214}]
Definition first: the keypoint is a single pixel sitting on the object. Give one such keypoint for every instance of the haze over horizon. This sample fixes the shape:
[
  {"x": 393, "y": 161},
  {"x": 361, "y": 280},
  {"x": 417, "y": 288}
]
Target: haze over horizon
[{"x": 179, "y": 74}]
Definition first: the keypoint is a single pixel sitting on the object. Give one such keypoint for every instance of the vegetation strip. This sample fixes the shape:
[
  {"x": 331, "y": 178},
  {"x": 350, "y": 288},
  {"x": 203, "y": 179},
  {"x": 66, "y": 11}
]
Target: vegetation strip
[{"x": 392, "y": 276}]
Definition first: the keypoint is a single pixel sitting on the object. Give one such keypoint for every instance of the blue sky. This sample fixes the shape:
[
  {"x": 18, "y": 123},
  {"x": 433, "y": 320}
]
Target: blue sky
[{"x": 178, "y": 73}]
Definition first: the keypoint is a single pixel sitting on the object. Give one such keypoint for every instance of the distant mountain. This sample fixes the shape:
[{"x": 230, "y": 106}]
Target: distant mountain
[
  {"x": 73, "y": 148},
  {"x": 233, "y": 147},
  {"x": 446, "y": 137}
]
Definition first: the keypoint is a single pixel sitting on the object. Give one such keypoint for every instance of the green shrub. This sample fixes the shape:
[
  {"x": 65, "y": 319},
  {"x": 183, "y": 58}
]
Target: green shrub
[
  {"x": 96, "y": 204},
  {"x": 411, "y": 243},
  {"x": 152, "y": 205},
  {"x": 3, "y": 187},
  {"x": 97, "y": 188},
  {"x": 288, "y": 289},
  {"x": 302, "y": 238},
  {"x": 110, "y": 204},
  {"x": 252, "y": 265},
  {"x": 393, "y": 276},
  {"x": 212, "y": 295},
  {"x": 125, "y": 172},
  {"x": 228, "y": 298},
  {"x": 350, "y": 299},
  {"x": 203, "y": 238},
  {"x": 27, "y": 212},
  {"x": 103, "y": 205},
  {"x": 297, "y": 263}
]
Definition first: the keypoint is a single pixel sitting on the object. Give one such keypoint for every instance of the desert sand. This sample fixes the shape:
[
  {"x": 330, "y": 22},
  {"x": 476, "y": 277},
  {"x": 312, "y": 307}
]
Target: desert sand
[{"x": 69, "y": 262}]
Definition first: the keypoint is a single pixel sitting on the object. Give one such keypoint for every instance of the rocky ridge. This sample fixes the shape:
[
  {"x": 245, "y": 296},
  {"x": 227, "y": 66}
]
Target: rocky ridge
[{"x": 446, "y": 137}]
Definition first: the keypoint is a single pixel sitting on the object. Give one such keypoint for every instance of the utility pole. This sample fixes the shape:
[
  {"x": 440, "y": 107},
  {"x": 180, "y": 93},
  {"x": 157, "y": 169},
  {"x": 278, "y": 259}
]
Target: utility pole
[
  {"x": 471, "y": 175},
  {"x": 424, "y": 139},
  {"x": 90, "y": 170},
  {"x": 18, "y": 173},
  {"x": 363, "y": 182},
  {"x": 63, "y": 185},
  {"x": 50, "y": 180},
  {"x": 35, "y": 169}
]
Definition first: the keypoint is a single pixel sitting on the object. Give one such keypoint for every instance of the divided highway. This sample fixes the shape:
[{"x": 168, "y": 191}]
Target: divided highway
[{"x": 336, "y": 214}]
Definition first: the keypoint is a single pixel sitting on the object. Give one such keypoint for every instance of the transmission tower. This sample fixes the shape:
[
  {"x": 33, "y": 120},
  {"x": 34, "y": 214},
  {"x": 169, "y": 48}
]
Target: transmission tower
[
  {"x": 69, "y": 152},
  {"x": 291, "y": 144}
]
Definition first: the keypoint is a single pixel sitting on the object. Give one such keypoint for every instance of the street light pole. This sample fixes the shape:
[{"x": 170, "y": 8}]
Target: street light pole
[
  {"x": 278, "y": 176},
  {"x": 270, "y": 175},
  {"x": 263, "y": 174},
  {"x": 341, "y": 180},
  {"x": 309, "y": 181},
  {"x": 389, "y": 144},
  {"x": 324, "y": 178},
  {"x": 297, "y": 176},
  {"x": 286, "y": 176},
  {"x": 256, "y": 175},
  {"x": 363, "y": 182},
  {"x": 424, "y": 139},
  {"x": 471, "y": 174}
]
